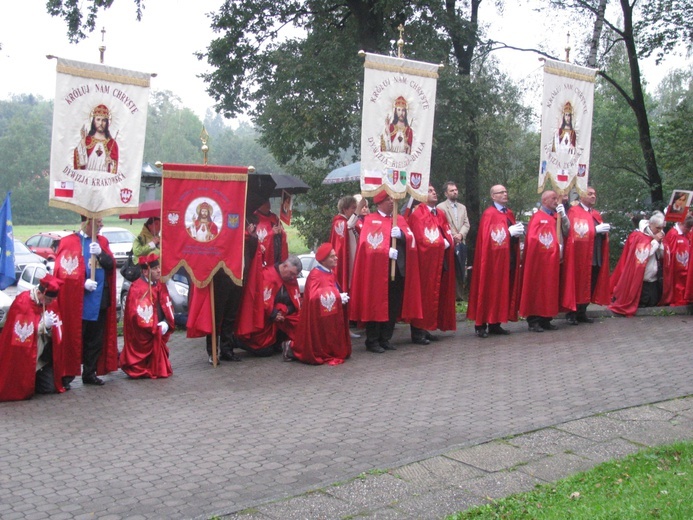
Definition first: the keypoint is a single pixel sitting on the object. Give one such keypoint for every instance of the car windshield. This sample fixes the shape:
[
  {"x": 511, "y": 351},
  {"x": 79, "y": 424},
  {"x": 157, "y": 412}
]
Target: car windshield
[
  {"x": 19, "y": 247},
  {"x": 119, "y": 237}
]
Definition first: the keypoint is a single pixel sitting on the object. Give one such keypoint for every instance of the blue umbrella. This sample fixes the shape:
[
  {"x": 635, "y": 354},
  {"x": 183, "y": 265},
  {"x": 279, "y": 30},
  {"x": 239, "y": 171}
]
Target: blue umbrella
[{"x": 348, "y": 173}]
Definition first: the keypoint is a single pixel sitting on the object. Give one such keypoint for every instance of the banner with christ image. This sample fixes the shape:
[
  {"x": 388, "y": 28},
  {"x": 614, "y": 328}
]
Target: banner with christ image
[
  {"x": 566, "y": 129},
  {"x": 399, "y": 98}
]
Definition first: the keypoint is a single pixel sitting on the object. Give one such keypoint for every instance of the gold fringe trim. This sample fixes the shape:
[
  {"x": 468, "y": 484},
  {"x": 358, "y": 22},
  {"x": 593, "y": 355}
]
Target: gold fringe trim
[
  {"x": 591, "y": 78},
  {"x": 396, "y": 196},
  {"x": 207, "y": 176},
  {"x": 104, "y": 76},
  {"x": 400, "y": 69},
  {"x": 90, "y": 214},
  {"x": 202, "y": 283}
]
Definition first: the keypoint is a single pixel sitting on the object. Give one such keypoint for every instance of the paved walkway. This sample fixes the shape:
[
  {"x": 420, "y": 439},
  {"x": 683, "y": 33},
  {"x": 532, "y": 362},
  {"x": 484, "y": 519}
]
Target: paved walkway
[{"x": 242, "y": 439}]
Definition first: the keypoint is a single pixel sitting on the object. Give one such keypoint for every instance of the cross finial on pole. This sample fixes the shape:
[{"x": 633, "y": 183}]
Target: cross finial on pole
[
  {"x": 204, "y": 136},
  {"x": 102, "y": 47},
  {"x": 567, "y": 49},
  {"x": 400, "y": 42}
]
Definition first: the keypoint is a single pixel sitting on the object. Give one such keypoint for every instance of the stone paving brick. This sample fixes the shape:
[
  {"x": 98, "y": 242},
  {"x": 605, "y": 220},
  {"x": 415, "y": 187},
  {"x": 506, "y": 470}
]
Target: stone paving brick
[{"x": 555, "y": 467}]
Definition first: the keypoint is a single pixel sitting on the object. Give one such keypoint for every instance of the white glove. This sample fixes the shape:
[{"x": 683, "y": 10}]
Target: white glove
[
  {"x": 447, "y": 244},
  {"x": 47, "y": 319},
  {"x": 602, "y": 228},
  {"x": 396, "y": 232},
  {"x": 90, "y": 285},
  {"x": 152, "y": 245},
  {"x": 517, "y": 230},
  {"x": 164, "y": 327},
  {"x": 560, "y": 209},
  {"x": 393, "y": 253},
  {"x": 345, "y": 297},
  {"x": 94, "y": 249}
]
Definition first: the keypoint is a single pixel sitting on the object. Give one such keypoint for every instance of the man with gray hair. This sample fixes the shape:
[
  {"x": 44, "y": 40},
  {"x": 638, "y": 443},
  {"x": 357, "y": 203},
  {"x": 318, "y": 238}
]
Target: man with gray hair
[{"x": 636, "y": 280}]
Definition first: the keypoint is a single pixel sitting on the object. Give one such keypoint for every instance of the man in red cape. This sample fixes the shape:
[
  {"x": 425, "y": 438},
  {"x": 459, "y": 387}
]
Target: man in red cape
[
  {"x": 271, "y": 236},
  {"x": 634, "y": 282},
  {"x": 344, "y": 239},
  {"x": 494, "y": 293},
  {"x": 147, "y": 324},
  {"x": 377, "y": 300},
  {"x": 322, "y": 335},
  {"x": 32, "y": 333},
  {"x": 677, "y": 247},
  {"x": 587, "y": 253},
  {"x": 279, "y": 306},
  {"x": 88, "y": 307},
  {"x": 541, "y": 299},
  {"x": 436, "y": 256}
]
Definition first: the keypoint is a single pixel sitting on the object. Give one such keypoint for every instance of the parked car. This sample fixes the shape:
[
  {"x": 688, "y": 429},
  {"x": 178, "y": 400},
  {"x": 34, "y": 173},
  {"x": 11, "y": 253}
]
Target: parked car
[
  {"x": 46, "y": 244},
  {"x": 5, "y": 302},
  {"x": 22, "y": 257},
  {"x": 178, "y": 288},
  {"x": 308, "y": 261},
  {"x": 31, "y": 276},
  {"x": 120, "y": 241}
]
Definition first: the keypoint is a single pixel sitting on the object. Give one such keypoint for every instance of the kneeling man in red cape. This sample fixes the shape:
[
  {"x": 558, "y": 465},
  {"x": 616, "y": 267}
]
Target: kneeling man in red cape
[
  {"x": 30, "y": 343},
  {"x": 147, "y": 324}
]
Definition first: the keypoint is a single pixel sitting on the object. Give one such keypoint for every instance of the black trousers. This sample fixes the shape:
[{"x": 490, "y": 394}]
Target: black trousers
[
  {"x": 92, "y": 342},
  {"x": 380, "y": 332}
]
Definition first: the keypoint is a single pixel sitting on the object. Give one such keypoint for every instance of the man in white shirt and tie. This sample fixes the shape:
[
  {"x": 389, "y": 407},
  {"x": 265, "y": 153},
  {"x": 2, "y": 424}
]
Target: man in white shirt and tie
[{"x": 456, "y": 213}]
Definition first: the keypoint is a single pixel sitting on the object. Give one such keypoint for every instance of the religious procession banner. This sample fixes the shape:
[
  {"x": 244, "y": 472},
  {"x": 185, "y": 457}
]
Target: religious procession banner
[
  {"x": 399, "y": 98},
  {"x": 203, "y": 221},
  {"x": 566, "y": 129},
  {"x": 99, "y": 124}
]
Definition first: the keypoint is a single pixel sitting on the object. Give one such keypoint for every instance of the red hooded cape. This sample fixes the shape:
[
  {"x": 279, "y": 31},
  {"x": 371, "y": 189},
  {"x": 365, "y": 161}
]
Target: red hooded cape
[
  {"x": 494, "y": 296},
  {"x": 70, "y": 267},
  {"x": 265, "y": 236},
  {"x": 438, "y": 298},
  {"x": 688, "y": 292},
  {"x": 339, "y": 238},
  {"x": 675, "y": 268},
  {"x": 322, "y": 335},
  {"x": 145, "y": 353},
  {"x": 626, "y": 280},
  {"x": 369, "y": 285},
  {"x": 18, "y": 348}
]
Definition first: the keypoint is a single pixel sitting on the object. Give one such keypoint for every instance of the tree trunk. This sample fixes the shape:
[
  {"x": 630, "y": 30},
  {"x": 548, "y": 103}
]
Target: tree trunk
[{"x": 596, "y": 34}]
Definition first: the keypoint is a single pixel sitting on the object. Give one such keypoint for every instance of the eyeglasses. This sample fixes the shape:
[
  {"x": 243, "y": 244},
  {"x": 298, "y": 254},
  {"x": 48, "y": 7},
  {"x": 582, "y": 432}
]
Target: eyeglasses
[{"x": 500, "y": 192}]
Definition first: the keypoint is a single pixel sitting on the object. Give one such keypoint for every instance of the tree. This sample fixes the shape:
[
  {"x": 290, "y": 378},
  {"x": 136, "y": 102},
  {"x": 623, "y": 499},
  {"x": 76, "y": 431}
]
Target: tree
[{"x": 72, "y": 11}]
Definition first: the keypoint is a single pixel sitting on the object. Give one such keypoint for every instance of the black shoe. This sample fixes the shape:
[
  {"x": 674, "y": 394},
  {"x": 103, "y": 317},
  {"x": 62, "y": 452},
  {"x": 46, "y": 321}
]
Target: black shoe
[
  {"x": 387, "y": 346},
  {"x": 420, "y": 341},
  {"x": 93, "y": 380},
  {"x": 572, "y": 321},
  {"x": 482, "y": 333},
  {"x": 376, "y": 349},
  {"x": 549, "y": 326},
  {"x": 431, "y": 337},
  {"x": 497, "y": 330},
  {"x": 230, "y": 357},
  {"x": 535, "y": 328},
  {"x": 585, "y": 319}
]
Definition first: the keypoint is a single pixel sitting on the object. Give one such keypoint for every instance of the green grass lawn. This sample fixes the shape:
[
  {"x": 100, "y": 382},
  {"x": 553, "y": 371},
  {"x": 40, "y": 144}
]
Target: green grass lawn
[{"x": 654, "y": 483}]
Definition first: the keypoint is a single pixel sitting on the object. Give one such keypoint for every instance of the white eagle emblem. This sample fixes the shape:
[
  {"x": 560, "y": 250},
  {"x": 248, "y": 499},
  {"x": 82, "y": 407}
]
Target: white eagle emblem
[
  {"x": 581, "y": 228},
  {"x": 173, "y": 218},
  {"x": 498, "y": 235},
  {"x": 145, "y": 312},
  {"x": 262, "y": 234},
  {"x": 339, "y": 228},
  {"x": 69, "y": 264},
  {"x": 546, "y": 239},
  {"x": 682, "y": 258},
  {"x": 375, "y": 240},
  {"x": 432, "y": 234},
  {"x": 267, "y": 294},
  {"x": 328, "y": 300},
  {"x": 642, "y": 254},
  {"x": 24, "y": 330}
]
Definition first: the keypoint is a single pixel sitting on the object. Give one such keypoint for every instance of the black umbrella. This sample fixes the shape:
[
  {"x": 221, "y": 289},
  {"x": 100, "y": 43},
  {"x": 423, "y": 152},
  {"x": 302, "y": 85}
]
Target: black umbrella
[
  {"x": 288, "y": 183},
  {"x": 260, "y": 188}
]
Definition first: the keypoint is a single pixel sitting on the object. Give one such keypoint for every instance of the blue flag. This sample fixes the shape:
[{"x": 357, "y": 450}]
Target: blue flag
[{"x": 7, "y": 276}]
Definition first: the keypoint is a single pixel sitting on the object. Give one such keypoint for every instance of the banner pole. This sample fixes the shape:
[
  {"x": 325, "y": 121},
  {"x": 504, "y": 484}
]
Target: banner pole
[
  {"x": 215, "y": 360},
  {"x": 92, "y": 258},
  {"x": 393, "y": 240}
]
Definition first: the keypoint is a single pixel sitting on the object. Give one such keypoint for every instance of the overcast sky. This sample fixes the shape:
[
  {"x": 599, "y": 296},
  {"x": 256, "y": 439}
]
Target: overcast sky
[{"x": 172, "y": 30}]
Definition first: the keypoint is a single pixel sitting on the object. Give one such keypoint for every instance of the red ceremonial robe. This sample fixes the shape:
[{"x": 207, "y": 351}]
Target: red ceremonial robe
[
  {"x": 339, "y": 238},
  {"x": 541, "y": 269},
  {"x": 251, "y": 297},
  {"x": 688, "y": 292},
  {"x": 626, "y": 280},
  {"x": 494, "y": 295},
  {"x": 322, "y": 335},
  {"x": 438, "y": 298},
  {"x": 675, "y": 268},
  {"x": 266, "y": 239},
  {"x": 70, "y": 267},
  {"x": 19, "y": 348},
  {"x": 369, "y": 285},
  {"x": 145, "y": 353},
  {"x": 577, "y": 257},
  {"x": 266, "y": 336}
]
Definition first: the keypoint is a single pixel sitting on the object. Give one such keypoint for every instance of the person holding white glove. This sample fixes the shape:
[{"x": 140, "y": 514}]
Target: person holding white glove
[
  {"x": 344, "y": 297},
  {"x": 90, "y": 285},
  {"x": 517, "y": 230},
  {"x": 396, "y": 232},
  {"x": 602, "y": 228},
  {"x": 148, "y": 240},
  {"x": 393, "y": 253},
  {"x": 163, "y": 326},
  {"x": 94, "y": 249}
]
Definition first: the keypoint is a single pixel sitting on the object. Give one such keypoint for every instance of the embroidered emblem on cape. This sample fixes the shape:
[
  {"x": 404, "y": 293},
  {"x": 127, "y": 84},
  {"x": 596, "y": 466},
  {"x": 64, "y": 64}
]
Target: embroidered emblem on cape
[
  {"x": 642, "y": 254},
  {"x": 682, "y": 258},
  {"x": 581, "y": 228},
  {"x": 297, "y": 298},
  {"x": 262, "y": 234},
  {"x": 413, "y": 239},
  {"x": 24, "y": 331},
  {"x": 328, "y": 300},
  {"x": 172, "y": 218},
  {"x": 267, "y": 294},
  {"x": 498, "y": 235},
  {"x": 339, "y": 228},
  {"x": 69, "y": 264},
  {"x": 145, "y": 312},
  {"x": 432, "y": 234},
  {"x": 546, "y": 239},
  {"x": 375, "y": 240}
]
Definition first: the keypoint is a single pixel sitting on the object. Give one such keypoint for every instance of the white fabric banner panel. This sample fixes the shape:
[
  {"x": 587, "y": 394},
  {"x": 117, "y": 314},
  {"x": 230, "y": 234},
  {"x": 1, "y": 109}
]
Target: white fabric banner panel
[
  {"x": 399, "y": 98},
  {"x": 566, "y": 128},
  {"x": 99, "y": 125}
]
